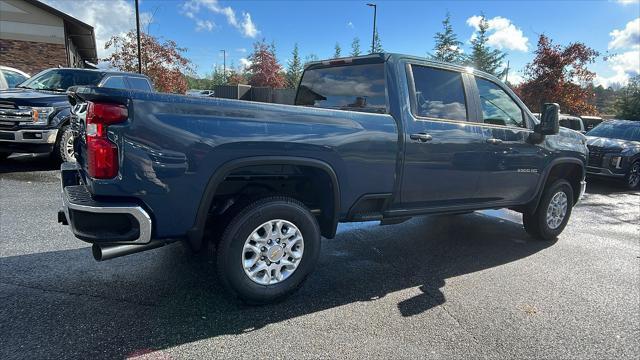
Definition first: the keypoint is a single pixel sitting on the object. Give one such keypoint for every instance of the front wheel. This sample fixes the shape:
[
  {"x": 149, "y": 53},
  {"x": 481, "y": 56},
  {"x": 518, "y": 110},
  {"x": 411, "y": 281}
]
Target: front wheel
[
  {"x": 268, "y": 249},
  {"x": 633, "y": 177},
  {"x": 63, "y": 150},
  {"x": 553, "y": 212}
]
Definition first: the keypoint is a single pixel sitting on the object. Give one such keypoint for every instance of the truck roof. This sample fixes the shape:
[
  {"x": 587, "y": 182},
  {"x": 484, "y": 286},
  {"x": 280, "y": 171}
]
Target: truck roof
[
  {"x": 102, "y": 71},
  {"x": 395, "y": 57}
]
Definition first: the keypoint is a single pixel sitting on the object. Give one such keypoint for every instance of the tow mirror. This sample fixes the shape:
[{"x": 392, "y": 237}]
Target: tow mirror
[{"x": 549, "y": 120}]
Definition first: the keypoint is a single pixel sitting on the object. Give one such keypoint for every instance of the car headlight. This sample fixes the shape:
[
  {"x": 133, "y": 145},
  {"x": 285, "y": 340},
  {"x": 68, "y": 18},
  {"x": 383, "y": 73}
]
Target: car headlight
[
  {"x": 616, "y": 161},
  {"x": 40, "y": 115}
]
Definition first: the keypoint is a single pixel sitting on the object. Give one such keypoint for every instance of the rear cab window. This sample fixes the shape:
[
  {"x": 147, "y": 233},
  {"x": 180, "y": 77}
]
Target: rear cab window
[
  {"x": 439, "y": 94},
  {"x": 139, "y": 83},
  {"x": 357, "y": 87}
]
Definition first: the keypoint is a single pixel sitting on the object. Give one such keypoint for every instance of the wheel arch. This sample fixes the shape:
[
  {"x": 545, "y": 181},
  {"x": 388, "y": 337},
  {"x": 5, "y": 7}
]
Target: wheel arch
[
  {"x": 195, "y": 234},
  {"x": 571, "y": 169}
]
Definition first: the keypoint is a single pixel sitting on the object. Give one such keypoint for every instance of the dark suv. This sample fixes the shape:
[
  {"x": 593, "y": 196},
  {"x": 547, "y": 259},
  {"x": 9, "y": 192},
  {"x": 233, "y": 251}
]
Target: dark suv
[
  {"x": 34, "y": 117},
  {"x": 614, "y": 151}
]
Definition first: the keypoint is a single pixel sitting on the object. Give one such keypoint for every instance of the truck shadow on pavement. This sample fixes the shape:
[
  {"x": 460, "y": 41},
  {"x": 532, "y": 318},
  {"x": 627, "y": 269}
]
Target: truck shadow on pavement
[
  {"x": 64, "y": 304},
  {"x": 24, "y": 163}
]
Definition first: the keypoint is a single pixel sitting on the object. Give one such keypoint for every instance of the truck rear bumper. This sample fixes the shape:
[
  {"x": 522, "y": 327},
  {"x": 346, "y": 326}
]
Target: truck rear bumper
[{"x": 100, "y": 222}]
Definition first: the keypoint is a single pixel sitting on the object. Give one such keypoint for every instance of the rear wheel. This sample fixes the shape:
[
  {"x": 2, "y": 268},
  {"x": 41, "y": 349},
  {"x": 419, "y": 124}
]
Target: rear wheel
[
  {"x": 268, "y": 249},
  {"x": 553, "y": 212},
  {"x": 633, "y": 177},
  {"x": 63, "y": 150}
]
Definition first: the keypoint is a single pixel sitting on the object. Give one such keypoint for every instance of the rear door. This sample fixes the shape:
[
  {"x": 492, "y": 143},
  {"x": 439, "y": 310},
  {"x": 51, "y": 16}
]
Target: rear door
[
  {"x": 442, "y": 164},
  {"x": 513, "y": 163}
]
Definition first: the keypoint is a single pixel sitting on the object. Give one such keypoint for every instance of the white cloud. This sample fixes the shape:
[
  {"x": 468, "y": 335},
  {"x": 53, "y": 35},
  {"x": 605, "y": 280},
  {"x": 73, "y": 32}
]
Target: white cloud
[
  {"x": 515, "y": 78},
  {"x": 204, "y": 25},
  {"x": 350, "y": 25},
  {"x": 627, "y": 2},
  {"x": 502, "y": 33},
  {"x": 241, "y": 50},
  {"x": 629, "y": 37},
  {"x": 624, "y": 66},
  {"x": 93, "y": 13},
  {"x": 246, "y": 26},
  {"x": 244, "y": 63}
]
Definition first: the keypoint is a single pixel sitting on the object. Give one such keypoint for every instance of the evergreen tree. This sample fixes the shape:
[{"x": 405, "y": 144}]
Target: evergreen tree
[
  {"x": 448, "y": 47},
  {"x": 627, "y": 105},
  {"x": 294, "y": 68},
  {"x": 310, "y": 58},
  {"x": 355, "y": 47},
  {"x": 338, "y": 49},
  {"x": 377, "y": 44},
  {"x": 482, "y": 57}
]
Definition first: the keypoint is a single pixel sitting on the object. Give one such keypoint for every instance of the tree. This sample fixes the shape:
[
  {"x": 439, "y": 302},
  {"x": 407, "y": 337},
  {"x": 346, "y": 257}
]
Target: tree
[
  {"x": 264, "y": 68},
  {"x": 294, "y": 68},
  {"x": 163, "y": 62},
  {"x": 236, "y": 78},
  {"x": 355, "y": 47},
  {"x": 337, "y": 52},
  {"x": 482, "y": 57},
  {"x": 627, "y": 105},
  {"x": 377, "y": 44},
  {"x": 310, "y": 58},
  {"x": 559, "y": 74},
  {"x": 447, "y": 48}
]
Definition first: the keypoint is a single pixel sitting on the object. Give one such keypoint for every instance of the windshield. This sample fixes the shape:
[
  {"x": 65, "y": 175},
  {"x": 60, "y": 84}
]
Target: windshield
[
  {"x": 617, "y": 130},
  {"x": 352, "y": 87},
  {"x": 62, "y": 79}
]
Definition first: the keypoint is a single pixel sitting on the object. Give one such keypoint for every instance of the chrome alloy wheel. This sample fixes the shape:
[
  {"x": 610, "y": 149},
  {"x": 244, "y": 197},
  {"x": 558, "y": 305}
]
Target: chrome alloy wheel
[
  {"x": 68, "y": 148},
  {"x": 634, "y": 174},
  {"x": 272, "y": 252},
  {"x": 557, "y": 210}
]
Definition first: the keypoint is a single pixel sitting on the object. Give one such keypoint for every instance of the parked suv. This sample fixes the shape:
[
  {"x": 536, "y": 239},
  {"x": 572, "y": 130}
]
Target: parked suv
[
  {"x": 380, "y": 137},
  {"x": 614, "y": 151},
  {"x": 34, "y": 117}
]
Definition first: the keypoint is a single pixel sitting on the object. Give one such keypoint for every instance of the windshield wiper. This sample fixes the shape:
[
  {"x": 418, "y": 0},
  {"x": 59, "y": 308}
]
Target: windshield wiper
[{"x": 24, "y": 87}]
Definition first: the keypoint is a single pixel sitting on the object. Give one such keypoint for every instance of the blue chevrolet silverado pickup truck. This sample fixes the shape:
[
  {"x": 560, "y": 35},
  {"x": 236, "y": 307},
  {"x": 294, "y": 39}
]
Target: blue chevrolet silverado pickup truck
[{"x": 379, "y": 137}]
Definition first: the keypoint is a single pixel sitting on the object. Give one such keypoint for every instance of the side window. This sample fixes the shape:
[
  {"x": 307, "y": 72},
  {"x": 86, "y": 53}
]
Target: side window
[
  {"x": 115, "y": 82},
  {"x": 439, "y": 93},
  {"x": 13, "y": 78},
  {"x": 498, "y": 108},
  {"x": 138, "y": 83}
]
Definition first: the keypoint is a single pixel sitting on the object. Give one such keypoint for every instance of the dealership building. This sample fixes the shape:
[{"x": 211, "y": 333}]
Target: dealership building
[{"x": 35, "y": 36}]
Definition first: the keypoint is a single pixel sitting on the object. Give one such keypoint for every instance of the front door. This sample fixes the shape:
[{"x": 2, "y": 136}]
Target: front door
[
  {"x": 442, "y": 164},
  {"x": 514, "y": 164}
]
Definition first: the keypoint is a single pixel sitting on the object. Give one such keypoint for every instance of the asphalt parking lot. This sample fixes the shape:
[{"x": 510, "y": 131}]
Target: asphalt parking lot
[{"x": 466, "y": 286}]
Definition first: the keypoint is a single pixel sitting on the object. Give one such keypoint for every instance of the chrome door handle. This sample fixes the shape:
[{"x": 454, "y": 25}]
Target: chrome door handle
[
  {"x": 493, "y": 141},
  {"x": 422, "y": 137}
]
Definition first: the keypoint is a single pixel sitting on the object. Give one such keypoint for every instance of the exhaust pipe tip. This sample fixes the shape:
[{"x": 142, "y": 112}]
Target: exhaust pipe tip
[
  {"x": 97, "y": 252},
  {"x": 106, "y": 252}
]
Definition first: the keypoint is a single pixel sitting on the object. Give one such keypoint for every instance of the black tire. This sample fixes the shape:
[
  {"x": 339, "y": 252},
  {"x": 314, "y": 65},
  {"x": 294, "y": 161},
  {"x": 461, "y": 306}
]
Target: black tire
[
  {"x": 4, "y": 155},
  {"x": 60, "y": 153},
  {"x": 632, "y": 180},
  {"x": 230, "y": 248},
  {"x": 536, "y": 223}
]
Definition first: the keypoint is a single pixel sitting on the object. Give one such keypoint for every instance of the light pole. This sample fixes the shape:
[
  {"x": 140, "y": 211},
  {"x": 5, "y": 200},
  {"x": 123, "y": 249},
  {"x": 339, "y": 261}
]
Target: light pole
[
  {"x": 138, "y": 33},
  {"x": 373, "y": 36},
  {"x": 224, "y": 65}
]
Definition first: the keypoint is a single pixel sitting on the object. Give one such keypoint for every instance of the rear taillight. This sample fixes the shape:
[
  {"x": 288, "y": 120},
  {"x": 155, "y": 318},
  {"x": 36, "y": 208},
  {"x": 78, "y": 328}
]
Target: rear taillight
[{"x": 102, "y": 154}]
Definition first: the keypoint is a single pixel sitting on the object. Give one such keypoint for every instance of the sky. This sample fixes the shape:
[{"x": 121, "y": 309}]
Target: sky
[{"x": 204, "y": 27}]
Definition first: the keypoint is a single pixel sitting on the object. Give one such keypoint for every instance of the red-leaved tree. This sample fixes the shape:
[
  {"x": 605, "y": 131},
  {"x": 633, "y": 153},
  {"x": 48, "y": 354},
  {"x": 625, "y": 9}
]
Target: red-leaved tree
[
  {"x": 264, "y": 68},
  {"x": 163, "y": 62},
  {"x": 559, "y": 74}
]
